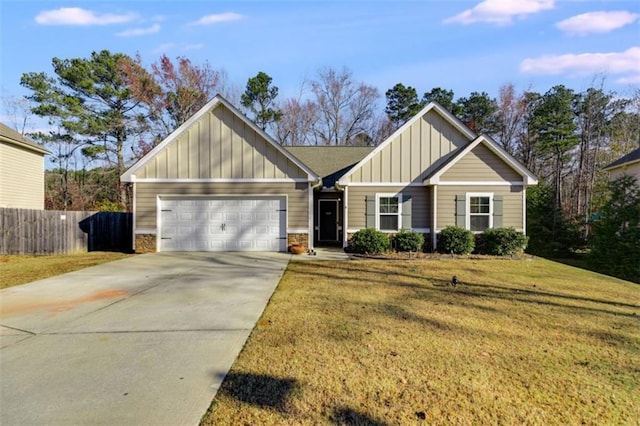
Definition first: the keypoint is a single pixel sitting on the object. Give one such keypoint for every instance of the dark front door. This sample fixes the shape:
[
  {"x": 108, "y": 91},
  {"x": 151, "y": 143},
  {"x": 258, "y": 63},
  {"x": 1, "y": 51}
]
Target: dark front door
[{"x": 328, "y": 220}]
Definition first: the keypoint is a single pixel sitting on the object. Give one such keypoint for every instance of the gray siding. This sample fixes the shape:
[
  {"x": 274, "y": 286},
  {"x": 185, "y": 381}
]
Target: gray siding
[
  {"x": 481, "y": 165},
  {"x": 511, "y": 207},
  {"x": 420, "y": 204},
  {"x": 21, "y": 178},
  {"x": 413, "y": 154},
  {"x": 146, "y": 198},
  {"x": 220, "y": 145}
]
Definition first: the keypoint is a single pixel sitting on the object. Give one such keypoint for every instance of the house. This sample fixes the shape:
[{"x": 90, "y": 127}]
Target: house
[
  {"x": 626, "y": 165},
  {"x": 219, "y": 182},
  {"x": 21, "y": 171}
]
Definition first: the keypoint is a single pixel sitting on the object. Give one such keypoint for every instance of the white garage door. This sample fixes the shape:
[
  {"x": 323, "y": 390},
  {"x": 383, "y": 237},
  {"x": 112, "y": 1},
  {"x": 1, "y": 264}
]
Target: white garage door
[{"x": 230, "y": 224}]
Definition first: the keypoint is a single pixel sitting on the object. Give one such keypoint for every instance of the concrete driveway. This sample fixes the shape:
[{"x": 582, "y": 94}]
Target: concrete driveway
[{"x": 143, "y": 340}]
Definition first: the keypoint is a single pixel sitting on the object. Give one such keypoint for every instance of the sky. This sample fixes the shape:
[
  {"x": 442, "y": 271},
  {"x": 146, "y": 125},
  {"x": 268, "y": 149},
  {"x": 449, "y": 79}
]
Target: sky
[{"x": 459, "y": 45}]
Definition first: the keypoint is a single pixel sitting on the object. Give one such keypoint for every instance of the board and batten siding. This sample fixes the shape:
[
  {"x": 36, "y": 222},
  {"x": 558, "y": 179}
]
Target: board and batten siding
[
  {"x": 147, "y": 193},
  {"x": 220, "y": 145},
  {"x": 413, "y": 154},
  {"x": 21, "y": 178},
  {"x": 420, "y": 204},
  {"x": 481, "y": 165},
  {"x": 512, "y": 203}
]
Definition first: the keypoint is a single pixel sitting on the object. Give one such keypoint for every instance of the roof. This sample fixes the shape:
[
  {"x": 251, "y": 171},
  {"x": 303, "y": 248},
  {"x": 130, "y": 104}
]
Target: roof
[
  {"x": 631, "y": 157},
  {"x": 326, "y": 160},
  {"x": 128, "y": 176},
  {"x": 434, "y": 178},
  {"x": 7, "y": 134},
  {"x": 330, "y": 162}
]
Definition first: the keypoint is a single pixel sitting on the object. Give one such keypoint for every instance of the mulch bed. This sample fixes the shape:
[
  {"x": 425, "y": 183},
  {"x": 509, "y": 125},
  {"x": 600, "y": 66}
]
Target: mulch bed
[{"x": 438, "y": 256}]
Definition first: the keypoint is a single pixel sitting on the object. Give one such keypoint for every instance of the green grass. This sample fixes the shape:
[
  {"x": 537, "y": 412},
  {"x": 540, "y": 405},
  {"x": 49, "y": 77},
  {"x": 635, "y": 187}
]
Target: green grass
[
  {"x": 389, "y": 342},
  {"x": 20, "y": 269}
]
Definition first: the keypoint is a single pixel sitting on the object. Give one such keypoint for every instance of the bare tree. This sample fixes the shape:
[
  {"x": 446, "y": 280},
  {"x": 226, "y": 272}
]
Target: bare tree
[
  {"x": 345, "y": 108},
  {"x": 18, "y": 111},
  {"x": 510, "y": 117},
  {"x": 296, "y": 125}
]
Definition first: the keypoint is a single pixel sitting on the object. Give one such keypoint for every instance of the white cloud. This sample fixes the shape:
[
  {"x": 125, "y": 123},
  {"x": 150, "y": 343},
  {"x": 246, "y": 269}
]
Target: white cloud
[
  {"x": 500, "y": 12},
  {"x": 78, "y": 16},
  {"x": 217, "y": 18},
  {"x": 624, "y": 64},
  {"x": 597, "y": 22},
  {"x": 135, "y": 32}
]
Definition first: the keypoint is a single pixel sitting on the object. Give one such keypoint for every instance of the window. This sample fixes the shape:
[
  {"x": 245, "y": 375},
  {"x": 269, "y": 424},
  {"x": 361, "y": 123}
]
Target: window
[
  {"x": 389, "y": 212},
  {"x": 479, "y": 212}
]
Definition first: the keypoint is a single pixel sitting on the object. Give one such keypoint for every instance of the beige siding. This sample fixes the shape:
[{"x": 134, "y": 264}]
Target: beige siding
[
  {"x": 511, "y": 206},
  {"x": 220, "y": 146},
  {"x": 413, "y": 154},
  {"x": 629, "y": 170},
  {"x": 481, "y": 165},
  {"x": 420, "y": 204},
  {"x": 21, "y": 178},
  {"x": 146, "y": 198}
]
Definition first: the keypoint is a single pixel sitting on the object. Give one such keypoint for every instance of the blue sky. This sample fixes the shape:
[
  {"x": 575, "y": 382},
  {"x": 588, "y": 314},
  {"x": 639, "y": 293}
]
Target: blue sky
[{"x": 459, "y": 45}]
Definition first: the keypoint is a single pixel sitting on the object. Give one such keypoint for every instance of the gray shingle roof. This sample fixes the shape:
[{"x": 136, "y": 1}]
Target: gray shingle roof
[
  {"x": 631, "y": 157},
  {"x": 326, "y": 160}
]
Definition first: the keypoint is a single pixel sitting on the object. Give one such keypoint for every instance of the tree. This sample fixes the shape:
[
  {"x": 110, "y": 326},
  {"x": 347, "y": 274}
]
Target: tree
[
  {"x": 296, "y": 124},
  {"x": 259, "y": 97},
  {"x": 615, "y": 245},
  {"x": 477, "y": 112},
  {"x": 443, "y": 97},
  {"x": 553, "y": 122},
  {"x": 510, "y": 117},
  {"x": 402, "y": 104},
  {"x": 89, "y": 104},
  {"x": 171, "y": 92},
  {"x": 345, "y": 108}
]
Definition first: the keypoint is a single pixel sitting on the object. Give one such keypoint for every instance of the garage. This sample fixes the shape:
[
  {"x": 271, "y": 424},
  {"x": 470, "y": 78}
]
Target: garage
[{"x": 222, "y": 224}]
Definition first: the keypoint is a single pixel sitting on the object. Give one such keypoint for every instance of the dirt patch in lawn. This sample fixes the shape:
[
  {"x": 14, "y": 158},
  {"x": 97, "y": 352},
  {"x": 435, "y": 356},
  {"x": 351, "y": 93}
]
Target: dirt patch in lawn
[{"x": 370, "y": 342}]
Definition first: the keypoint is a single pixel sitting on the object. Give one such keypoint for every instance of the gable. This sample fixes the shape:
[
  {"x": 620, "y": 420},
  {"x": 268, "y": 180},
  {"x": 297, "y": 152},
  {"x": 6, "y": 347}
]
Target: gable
[
  {"x": 414, "y": 151},
  {"x": 481, "y": 164},
  {"x": 220, "y": 145}
]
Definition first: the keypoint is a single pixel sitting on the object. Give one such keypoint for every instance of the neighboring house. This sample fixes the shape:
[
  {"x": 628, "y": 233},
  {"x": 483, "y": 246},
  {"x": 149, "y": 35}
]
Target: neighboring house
[
  {"x": 626, "y": 165},
  {"x": 21, "y": 171},
  {"x": 220, "y": 183}
]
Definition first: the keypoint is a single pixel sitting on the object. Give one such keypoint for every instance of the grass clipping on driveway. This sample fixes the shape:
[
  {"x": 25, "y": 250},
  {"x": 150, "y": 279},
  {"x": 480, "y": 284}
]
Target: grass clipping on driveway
[
  {"x": 21, "y": 269},
  {"x": 373, "y": 342}
]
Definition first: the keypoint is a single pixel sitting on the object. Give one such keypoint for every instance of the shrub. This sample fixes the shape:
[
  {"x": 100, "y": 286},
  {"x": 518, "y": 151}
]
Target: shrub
[
  {"x": 408, "y": 240},
  {"x": 369, "y": 241},
  {"x": 456, "y": 240},
  {"x": 504, "y": 241}
]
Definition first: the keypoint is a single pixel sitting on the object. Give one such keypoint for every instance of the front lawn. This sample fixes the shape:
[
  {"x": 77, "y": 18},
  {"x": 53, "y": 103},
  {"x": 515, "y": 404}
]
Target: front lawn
[
  {"x": 20, "y": 269},
  {"x": 390, "y": 342}
]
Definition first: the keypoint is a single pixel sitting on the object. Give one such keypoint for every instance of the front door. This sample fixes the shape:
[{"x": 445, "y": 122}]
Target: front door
[{"x": 328, "y": 220}]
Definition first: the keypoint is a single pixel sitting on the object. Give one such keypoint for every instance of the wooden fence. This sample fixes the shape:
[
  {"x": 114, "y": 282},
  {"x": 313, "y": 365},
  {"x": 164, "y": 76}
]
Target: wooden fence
[{"x": 25, "y": 231}]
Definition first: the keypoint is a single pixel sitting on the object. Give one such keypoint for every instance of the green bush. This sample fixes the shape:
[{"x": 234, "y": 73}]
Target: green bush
[
  {"x": 370, "y": 241},
  {"x": 503, "y": 241},
  {"x": 456, "y": 240},
  {"x": 408, "y": 241}
]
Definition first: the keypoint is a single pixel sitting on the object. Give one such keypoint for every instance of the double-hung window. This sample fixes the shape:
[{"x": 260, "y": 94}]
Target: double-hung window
[
  {"x": 389, "y": 212},
  {"x": 479, "y": 211}
]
